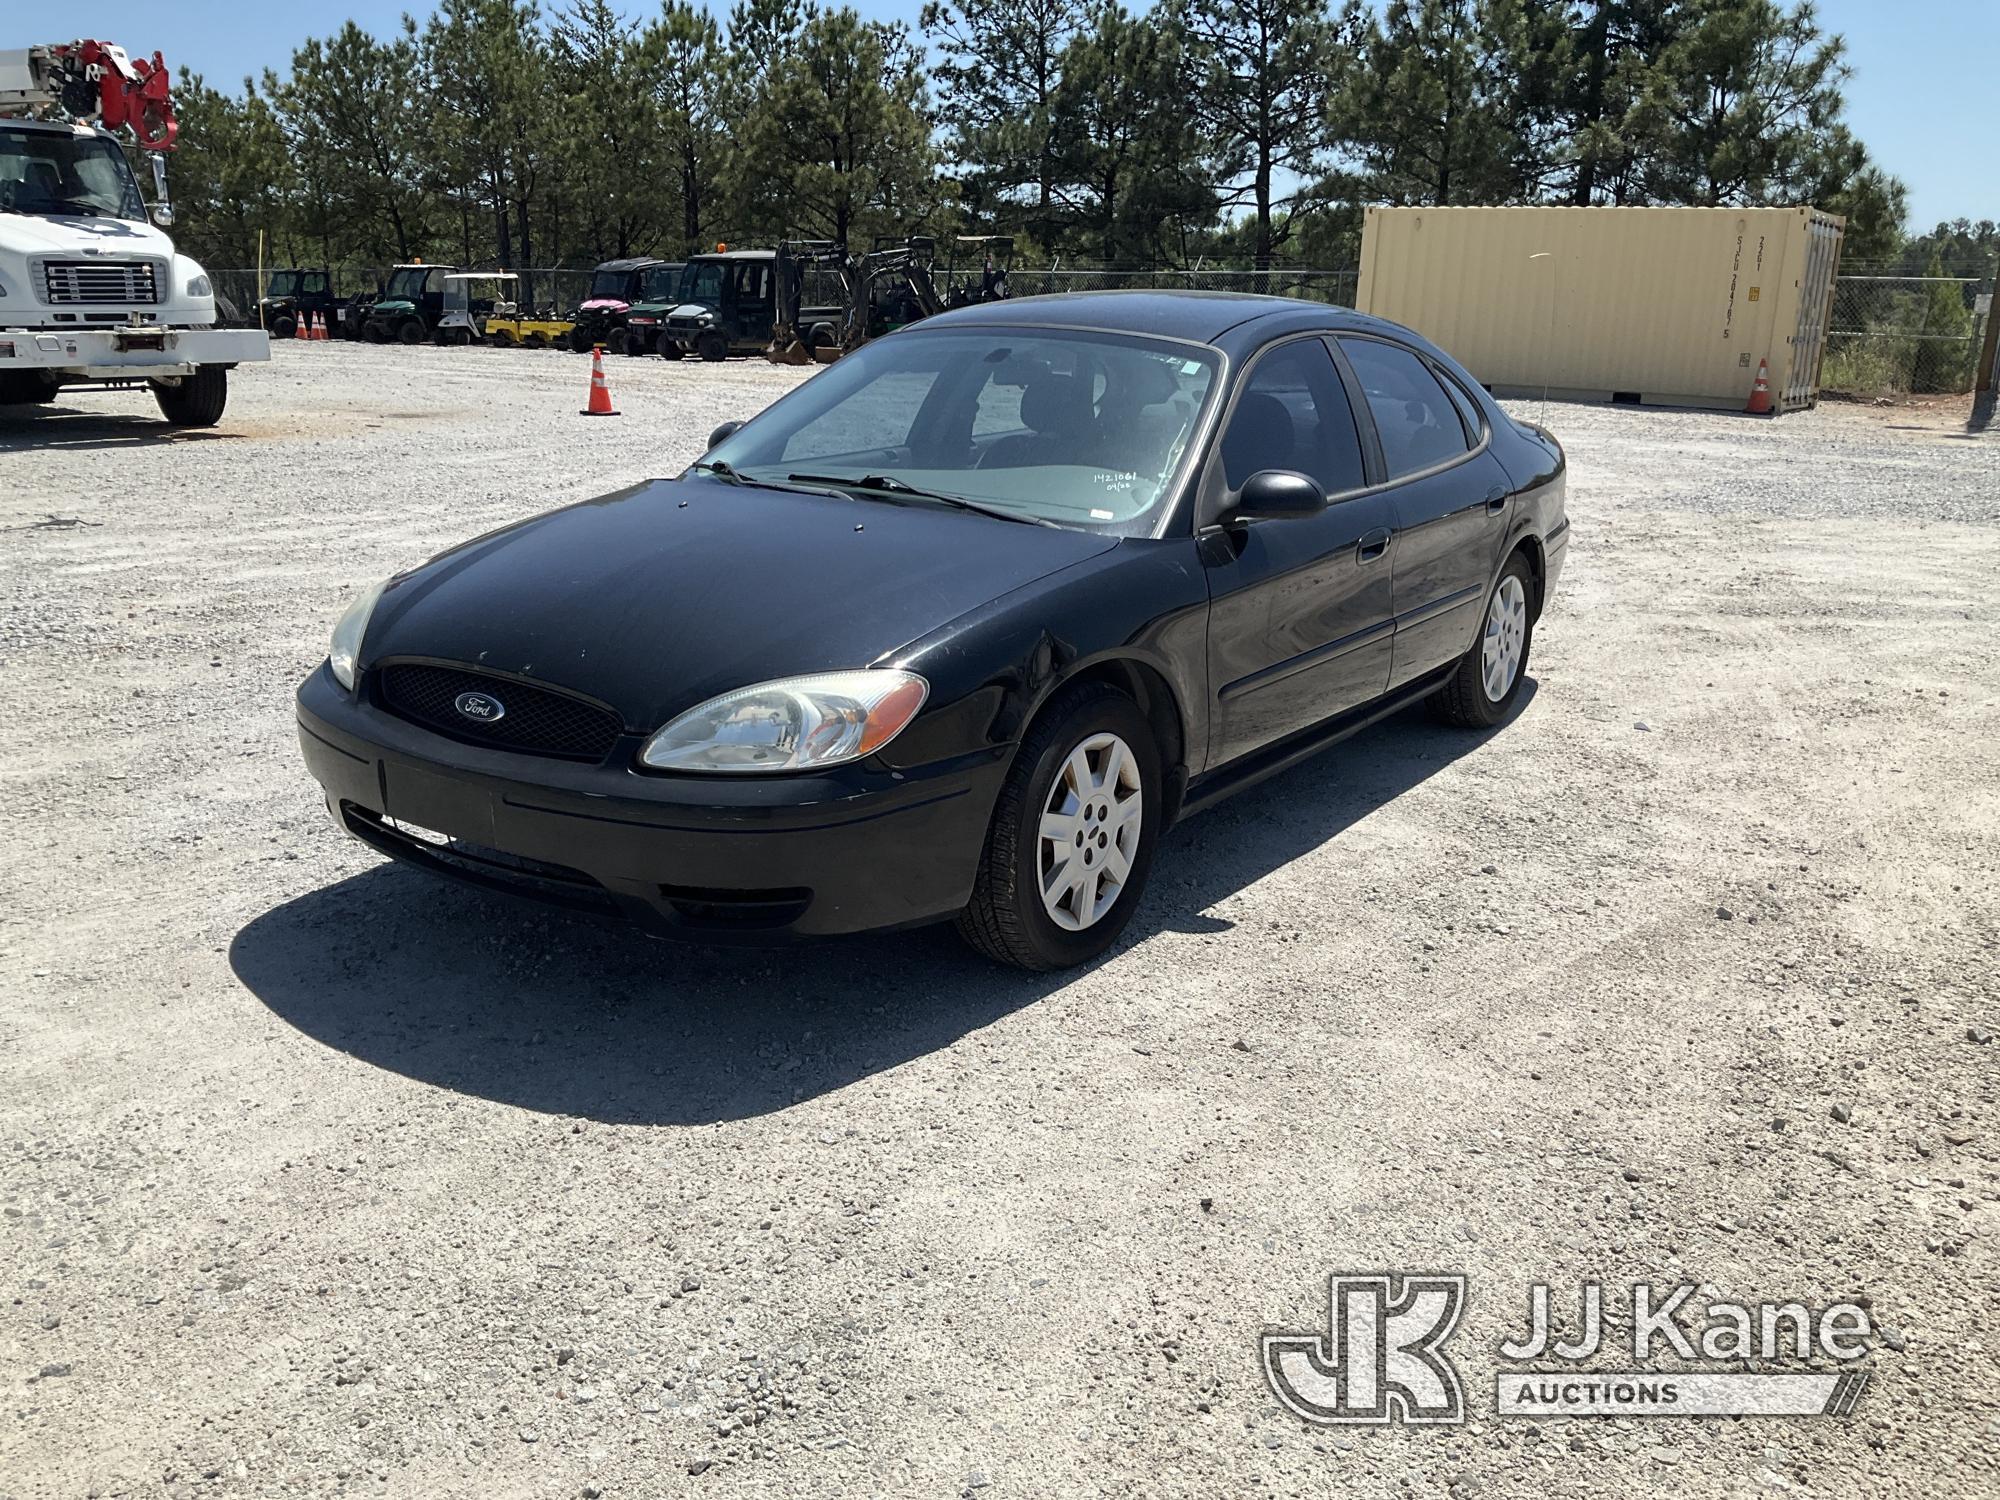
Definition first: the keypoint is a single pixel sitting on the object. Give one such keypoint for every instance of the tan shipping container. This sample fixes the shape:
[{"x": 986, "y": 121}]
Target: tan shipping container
[{"x": 1663, "y": 306}]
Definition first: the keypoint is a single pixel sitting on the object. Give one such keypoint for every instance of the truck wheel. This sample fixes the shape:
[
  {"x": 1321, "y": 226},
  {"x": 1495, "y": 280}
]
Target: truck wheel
[
  {"x": 284, "y": 326},
  {"x": 409, "y": 332},
  {"x": 615, "y": 341},
  {"x": 373, "y": 333},
  {"x": 669, "y": 348},
  {"x": 198, "y": 400},
  {"x": 712, "y": 347},
  {"x": 580, "y": 341},
  {"x": 27, "y": 388},
  {"x": 536, "y": 341}
]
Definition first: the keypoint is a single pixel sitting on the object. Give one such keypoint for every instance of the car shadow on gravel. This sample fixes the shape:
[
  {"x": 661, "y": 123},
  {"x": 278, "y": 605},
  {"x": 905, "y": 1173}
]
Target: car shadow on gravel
[{"x": 504, "y": 1000}]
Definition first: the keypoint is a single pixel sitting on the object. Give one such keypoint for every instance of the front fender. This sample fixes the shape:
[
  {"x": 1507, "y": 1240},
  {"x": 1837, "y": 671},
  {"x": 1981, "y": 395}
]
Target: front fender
[{"x": 1143, "y": 604}]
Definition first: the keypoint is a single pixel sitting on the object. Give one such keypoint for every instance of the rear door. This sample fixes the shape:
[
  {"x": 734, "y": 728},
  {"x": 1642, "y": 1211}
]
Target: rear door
[
  {"x": 1299, "y": 612},
  {"x": 1449, "y": 497}
]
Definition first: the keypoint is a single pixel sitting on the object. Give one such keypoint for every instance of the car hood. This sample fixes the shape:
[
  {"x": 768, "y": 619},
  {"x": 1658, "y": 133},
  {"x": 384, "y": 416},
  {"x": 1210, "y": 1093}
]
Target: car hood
[
  {"x": 395, "y": 305},
  {"x": 658, "y": 598},
  {"x": 605, "y": 304}
]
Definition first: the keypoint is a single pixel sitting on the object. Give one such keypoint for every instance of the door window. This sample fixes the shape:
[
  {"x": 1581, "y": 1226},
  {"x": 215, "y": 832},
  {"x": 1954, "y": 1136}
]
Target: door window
[
  {"x": 1294, "y": 414},
  {"x": 1418, "y": 424}
]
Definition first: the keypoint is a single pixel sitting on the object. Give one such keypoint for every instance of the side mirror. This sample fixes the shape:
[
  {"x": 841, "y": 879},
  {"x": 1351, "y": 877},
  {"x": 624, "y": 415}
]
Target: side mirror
[
  {"x": 163, "y": 215},
  {"x": 722, "y": 434},
  {"x": 1277, "y": 495}
]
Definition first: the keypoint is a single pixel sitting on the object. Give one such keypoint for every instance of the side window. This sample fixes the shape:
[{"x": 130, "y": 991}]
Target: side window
[
  {"x": 1468, "y": 409},
  {"x": 1293, "y": 414},
  {"x": 1418, "y": 423}
]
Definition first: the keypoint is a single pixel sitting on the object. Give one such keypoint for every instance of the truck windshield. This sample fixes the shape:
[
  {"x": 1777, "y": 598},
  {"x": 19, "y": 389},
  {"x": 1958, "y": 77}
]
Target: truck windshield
[
  {"x": 660, "y": 283},
  {"x": 702, "y": 282},
  {"x": 609, "y": 285},
  {"x": 59, "y": 172},
  {"x": 407, "y": 283}
]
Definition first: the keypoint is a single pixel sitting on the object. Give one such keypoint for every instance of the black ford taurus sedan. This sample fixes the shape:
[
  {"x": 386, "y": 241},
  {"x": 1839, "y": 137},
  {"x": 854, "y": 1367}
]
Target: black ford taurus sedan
[{"x": 957, "y": 628}]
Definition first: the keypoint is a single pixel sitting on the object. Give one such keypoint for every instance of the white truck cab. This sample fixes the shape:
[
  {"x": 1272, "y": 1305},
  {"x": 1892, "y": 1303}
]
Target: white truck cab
[{"x": 91, "y": 292}]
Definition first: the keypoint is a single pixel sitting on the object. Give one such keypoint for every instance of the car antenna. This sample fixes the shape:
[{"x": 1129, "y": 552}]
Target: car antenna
[{"x": 1548, "y": 353}]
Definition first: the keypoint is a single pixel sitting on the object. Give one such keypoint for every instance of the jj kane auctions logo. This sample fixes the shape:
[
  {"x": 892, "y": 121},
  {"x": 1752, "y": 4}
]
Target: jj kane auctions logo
[{"x": 1381, "y": 1358}]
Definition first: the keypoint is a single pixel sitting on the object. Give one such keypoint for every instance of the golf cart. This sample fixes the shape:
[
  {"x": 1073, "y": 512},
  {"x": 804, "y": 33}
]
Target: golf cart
[
  {"x": 410, "y": 307},
  {"x": 294, "y": 295},
  {"x": 471, "y": 299},
  {"x": 614, "y": 287},
  {"x": 659, "y": 295}
]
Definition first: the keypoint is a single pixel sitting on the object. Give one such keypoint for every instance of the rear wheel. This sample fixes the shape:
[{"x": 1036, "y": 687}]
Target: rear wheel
[
  {"x": 712, "y": 347},
  {"x": 1072, "y": 835},
  {"x": 1488, "y": 680},
  {"x": 198, "y": 400}
]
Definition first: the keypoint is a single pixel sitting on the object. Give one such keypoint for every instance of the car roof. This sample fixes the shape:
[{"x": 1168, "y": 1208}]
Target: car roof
[
  {"x": 1202, "y": 316},
  {"x": 734, "y": 255},
  {"x": 630, "y": 263}
]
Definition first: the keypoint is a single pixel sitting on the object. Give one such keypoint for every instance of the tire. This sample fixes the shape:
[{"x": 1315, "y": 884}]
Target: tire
[
  {"x": 372, "y": 332},
  {"x": 668, "y": 348},
  {"x": 409, "y": 333},
  {"x": 535, "y": 341},
  {"x": 712, "y": 347},
  {"x": 501, "y": 338},
  {"x": 284, "y": 326},
  {"x": 27, "y": 388},
  {"x": 1508, "y": 629},
  {"x": 198, "y": 400},
  {"x": 615, "y": 341},
  {"x": 579, "y": 341},
  {"x": 1008, "y": 919}
]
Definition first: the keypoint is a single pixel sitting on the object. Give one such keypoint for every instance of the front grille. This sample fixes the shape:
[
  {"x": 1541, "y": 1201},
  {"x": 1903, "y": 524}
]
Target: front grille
[
  {"x": 537, "y": 720},
  {"x": 78, "y": 281}
]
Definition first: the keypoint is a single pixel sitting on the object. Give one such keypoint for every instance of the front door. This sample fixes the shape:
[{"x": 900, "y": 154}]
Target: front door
[
  {"x": 1450, "y": 496},
  {"x": 1299, "y": 614}
]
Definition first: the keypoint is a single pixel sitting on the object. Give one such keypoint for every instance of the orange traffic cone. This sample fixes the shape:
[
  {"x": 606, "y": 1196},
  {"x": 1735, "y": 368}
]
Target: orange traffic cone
[
  {"x": 600, "y": 393},
  {"x": 1760, "y": 393},
  {"x": 299, "y": 330},
  {"x": 320, "y": 333}
]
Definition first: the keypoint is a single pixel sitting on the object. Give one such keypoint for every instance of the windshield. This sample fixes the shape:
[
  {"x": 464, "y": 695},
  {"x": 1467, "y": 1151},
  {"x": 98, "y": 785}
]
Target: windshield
[
  {"x": 283, "y": 284},
  {"x": 609, "y": 285},
  {"x": 660, "y": 284},
  {"x": 407, "y": 283},
  {"x": 702, "y": 282},
  {"x": 1085, "y": 430},
  {"x": 46, "y": 172}
]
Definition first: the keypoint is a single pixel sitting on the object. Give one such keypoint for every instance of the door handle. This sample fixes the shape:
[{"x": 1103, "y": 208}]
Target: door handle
[
  {"x": 1496, "y": 501},
  {"x": 1373, "y": 545}
]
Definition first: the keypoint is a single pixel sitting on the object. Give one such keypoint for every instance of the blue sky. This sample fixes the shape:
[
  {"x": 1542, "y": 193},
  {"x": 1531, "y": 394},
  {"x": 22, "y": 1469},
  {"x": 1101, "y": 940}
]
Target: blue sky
[{"x": 1922, "y": 94}]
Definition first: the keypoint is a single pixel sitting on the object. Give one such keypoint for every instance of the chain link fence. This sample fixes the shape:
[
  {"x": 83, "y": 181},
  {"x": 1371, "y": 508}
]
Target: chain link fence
[
  {"x": 1890, "y": 333},
  {"x": 1896, "y": 334}
]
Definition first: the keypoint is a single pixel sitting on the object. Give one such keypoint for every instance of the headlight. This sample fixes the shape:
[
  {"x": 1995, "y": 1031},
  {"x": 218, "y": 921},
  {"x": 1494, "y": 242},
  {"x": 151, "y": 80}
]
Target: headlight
[
  {"x": 200, "y": 287},
  {"x": 345, "y": 649},
  {"x": 797, "y": 724}
]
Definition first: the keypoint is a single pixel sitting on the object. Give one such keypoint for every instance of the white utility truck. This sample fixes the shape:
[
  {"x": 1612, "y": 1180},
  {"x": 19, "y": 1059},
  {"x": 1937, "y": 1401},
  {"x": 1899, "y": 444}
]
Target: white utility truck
[{"x": 90, "y": 292}]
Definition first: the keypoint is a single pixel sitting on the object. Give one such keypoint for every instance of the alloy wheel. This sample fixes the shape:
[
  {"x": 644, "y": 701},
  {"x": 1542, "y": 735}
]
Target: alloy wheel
[
  {"x": 1089, "y": 832},
  {"x": 1506, "y": 637}
]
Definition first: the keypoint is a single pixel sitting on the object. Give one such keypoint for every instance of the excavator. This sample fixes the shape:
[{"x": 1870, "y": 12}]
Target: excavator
[
  {"x": 880, "y": 291},
  {"x": 91, "y": 294}
]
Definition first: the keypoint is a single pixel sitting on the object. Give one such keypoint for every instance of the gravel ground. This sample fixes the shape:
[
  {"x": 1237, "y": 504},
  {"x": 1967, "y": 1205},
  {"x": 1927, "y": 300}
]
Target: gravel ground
[{"x": 320, "y": 1177}]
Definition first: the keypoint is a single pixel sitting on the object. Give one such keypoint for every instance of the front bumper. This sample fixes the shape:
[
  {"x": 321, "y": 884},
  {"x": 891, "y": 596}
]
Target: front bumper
[
  {"x": 856, "y": 849},
  {"x": 118, "y": 352}
]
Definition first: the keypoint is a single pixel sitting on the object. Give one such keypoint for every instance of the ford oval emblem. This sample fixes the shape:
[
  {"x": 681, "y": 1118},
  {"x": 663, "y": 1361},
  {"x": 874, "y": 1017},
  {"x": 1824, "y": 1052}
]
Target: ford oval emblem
[{"x": 481, "y": 706}]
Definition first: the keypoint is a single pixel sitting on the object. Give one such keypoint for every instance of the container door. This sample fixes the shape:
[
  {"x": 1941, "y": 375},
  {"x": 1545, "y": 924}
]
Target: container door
[{"x": 1815, "y": 301}]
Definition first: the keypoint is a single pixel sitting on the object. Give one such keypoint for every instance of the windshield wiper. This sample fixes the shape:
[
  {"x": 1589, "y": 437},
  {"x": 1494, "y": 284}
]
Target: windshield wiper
[
  {"x": 720, "y": 470},
  {"x": 888, "y": 484}
]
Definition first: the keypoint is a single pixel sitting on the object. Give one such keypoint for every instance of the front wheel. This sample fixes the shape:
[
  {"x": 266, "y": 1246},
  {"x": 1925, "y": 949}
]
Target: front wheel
[
  {"x": 1072, "y": 835},
  {"x": 1488, "y": 680},
  {"x": 409, "y": 332},
  {"x": 198, "y": 400},
  {"x": 669, "y": 347},
  {"x": 712, "y": 347}
]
